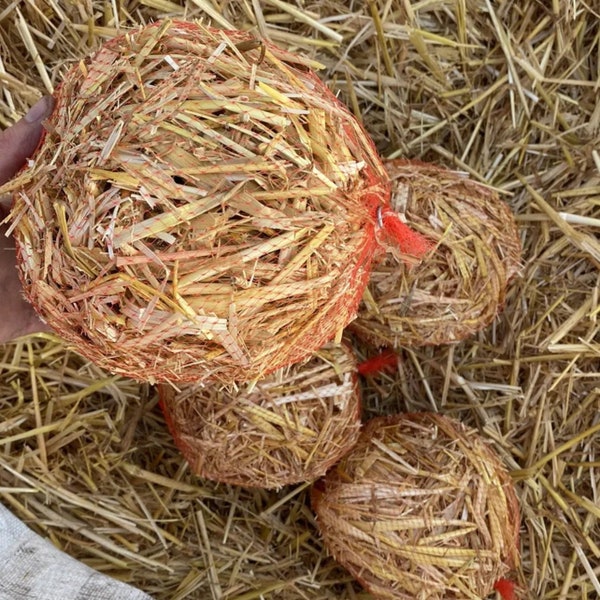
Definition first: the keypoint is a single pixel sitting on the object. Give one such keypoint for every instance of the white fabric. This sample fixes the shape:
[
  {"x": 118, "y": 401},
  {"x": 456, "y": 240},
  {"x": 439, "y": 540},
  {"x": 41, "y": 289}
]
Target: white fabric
[{"x": 33, "y": 569}]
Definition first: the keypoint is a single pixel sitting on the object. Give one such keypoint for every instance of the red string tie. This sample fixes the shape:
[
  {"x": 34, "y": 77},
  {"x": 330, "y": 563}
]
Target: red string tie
[
  {"x": 506, "y": 588},
  {"x": 379, "y": 363},
  {"x": 408, "y": 241}
]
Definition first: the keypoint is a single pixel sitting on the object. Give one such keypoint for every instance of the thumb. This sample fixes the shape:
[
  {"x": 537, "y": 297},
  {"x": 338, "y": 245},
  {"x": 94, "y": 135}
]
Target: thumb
[{"x": 18, "y": 143}]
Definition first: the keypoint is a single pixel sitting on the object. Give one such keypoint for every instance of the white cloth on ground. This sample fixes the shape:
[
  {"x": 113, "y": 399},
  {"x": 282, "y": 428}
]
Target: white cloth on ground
[{"x": 31, "y": 568}]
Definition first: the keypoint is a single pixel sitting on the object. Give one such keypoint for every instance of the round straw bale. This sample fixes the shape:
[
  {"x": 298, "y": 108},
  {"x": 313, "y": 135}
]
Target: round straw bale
[
  {"x": 201, "y": 208},
  {"x": 287, "y": 428},
  {"x": 420, "y": 509},
  {"x": 461, "y": 285}
]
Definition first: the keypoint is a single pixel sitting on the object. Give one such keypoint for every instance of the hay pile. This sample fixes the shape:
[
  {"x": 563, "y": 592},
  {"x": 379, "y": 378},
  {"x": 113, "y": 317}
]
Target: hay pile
[{"x": 507, "y": 94}]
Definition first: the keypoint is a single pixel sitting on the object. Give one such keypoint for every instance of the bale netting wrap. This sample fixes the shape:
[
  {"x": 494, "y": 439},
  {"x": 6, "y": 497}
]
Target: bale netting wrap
[
  {"x": 287, "y": 428},
  {"x": 202, "y": 207},
  {"x": 420, "y": 509},
  {"x": 462, "y": 284}
]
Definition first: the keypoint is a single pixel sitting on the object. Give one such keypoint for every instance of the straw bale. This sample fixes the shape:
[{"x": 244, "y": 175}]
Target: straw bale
[
  {"x": 201, "y": 207},
  {"x": 420, "y": 508},
  {"x": 287, "y": 428},
  {"x": 506, "y": 92},
  {"x": 461, "y": 285}
]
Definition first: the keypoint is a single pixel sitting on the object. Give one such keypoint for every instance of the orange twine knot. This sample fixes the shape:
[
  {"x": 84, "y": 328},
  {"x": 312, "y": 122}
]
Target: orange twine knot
[
  {"x": 506, "y": 588},
  {"x": 378, "y": 363},
  {"x": 408, "y": 240}
]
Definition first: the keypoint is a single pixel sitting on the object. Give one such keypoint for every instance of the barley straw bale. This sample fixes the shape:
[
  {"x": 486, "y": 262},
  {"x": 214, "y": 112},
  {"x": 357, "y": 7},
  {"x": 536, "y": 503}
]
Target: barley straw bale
[
  {"x": 461, "y": 285},
  {"x": 201, "y": 208},
  {"x": 289, "y": 427},
  {"x": 421, "y": 508}
]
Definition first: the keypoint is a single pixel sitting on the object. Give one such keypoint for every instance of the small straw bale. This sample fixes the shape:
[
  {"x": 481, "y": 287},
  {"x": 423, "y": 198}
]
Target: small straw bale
[
  {"x": 202, "y": 207},
  {"x": 461, "y": 286},
  {"x": 420, "y": 509},
  {"x": 288, "y": 428}
]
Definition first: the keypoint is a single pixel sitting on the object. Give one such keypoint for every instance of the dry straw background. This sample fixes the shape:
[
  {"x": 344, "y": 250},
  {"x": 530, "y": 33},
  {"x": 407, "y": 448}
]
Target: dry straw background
[{"x": 506, "y": 91}]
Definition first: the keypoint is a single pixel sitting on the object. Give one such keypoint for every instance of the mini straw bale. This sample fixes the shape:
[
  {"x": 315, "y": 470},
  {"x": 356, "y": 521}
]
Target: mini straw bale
[
  {"x": 202, "y": 207},
  {"x": 290, "y": 427},
  {"x": 421, "y": 508},
  {"x": 461, "y": 286}
]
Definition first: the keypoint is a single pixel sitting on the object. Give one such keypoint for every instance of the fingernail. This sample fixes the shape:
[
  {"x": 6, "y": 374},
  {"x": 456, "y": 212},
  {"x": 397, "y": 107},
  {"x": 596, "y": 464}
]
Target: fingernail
[{"x": 40, "y": 110}]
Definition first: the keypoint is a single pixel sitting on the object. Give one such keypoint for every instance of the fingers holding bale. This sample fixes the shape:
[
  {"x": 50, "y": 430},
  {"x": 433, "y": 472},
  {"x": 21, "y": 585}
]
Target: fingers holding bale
[
  {"x": 202, "y": 207},
  {"x": 287, "y": 428},
  {"x": 421, "y": 508}
]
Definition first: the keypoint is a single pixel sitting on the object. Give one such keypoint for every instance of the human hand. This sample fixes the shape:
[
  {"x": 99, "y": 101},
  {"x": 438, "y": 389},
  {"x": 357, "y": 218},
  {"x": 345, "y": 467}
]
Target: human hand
[{"x": 17, "y": 143}]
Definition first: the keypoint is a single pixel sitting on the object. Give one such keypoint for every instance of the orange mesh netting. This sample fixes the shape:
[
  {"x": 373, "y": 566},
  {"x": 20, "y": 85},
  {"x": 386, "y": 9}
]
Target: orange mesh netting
[{"x": 193, "y": 212}]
